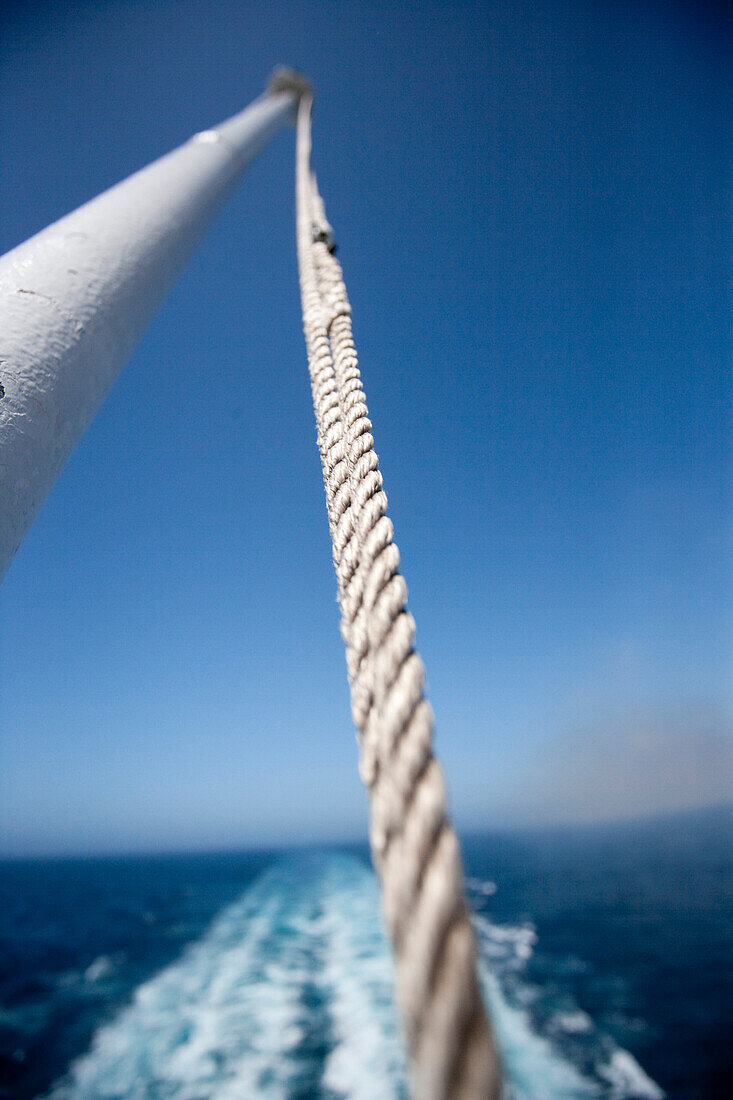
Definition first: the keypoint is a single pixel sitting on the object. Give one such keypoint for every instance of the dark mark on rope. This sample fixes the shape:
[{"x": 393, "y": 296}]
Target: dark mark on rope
[{"x": 324, "y": 236}]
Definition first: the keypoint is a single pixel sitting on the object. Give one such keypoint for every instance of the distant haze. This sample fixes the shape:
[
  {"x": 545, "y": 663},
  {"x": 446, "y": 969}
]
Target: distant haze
[{"x": 637, "y": 765}]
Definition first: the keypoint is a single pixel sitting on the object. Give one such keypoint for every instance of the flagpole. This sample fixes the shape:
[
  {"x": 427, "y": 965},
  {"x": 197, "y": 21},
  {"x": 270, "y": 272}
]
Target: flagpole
[{"x": 75, "y": 298}]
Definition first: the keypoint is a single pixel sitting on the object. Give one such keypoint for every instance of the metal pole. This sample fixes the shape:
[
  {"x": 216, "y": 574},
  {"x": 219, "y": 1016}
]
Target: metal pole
[{"x": 75, "y": 299}]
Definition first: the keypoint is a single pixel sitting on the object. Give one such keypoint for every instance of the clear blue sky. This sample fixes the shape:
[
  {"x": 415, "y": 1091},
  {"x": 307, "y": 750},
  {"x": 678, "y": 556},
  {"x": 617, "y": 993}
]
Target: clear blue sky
[{"x": 531, "y": 201}]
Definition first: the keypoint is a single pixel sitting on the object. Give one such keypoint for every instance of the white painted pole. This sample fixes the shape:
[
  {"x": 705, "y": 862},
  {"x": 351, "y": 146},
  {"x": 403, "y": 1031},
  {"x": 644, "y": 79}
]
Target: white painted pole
[{"x": 75, "y": 298}]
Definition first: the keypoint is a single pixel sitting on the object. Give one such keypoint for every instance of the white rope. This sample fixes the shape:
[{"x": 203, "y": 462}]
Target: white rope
[{"x": 452, "y": 1054}]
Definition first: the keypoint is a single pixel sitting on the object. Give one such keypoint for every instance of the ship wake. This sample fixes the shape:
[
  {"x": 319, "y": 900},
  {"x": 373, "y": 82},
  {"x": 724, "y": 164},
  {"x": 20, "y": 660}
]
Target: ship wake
[{"x": 288, "y": 996}]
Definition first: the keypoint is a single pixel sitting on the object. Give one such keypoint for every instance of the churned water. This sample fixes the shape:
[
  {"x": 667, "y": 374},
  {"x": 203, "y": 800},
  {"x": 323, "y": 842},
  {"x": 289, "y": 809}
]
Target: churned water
[{"x": 605, "y": 957}]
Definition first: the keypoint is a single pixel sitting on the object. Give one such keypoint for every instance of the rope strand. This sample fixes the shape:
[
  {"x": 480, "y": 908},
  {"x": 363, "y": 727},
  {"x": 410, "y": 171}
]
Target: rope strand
[{"x": 451, "y": 1050}]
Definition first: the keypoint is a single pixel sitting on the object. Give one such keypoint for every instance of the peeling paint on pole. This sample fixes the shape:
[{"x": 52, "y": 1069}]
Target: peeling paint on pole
[{"x": 75, "y": 299}]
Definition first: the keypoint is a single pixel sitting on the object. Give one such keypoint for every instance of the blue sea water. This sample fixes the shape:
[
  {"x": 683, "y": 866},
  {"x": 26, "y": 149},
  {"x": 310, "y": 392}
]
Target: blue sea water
[{"x": 606, "y": 957}]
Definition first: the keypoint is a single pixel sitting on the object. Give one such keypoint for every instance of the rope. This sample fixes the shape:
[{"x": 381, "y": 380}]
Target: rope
[{"x": 451, "y": 1051}]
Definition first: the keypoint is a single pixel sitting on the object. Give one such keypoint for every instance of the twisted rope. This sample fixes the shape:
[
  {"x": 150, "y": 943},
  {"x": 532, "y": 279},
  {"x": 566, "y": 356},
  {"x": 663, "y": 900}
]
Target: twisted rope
[{"x": 415, "y": 851}]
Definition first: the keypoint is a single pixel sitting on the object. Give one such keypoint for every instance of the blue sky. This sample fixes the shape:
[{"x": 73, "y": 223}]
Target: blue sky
[{"x": 531, "y": 205}]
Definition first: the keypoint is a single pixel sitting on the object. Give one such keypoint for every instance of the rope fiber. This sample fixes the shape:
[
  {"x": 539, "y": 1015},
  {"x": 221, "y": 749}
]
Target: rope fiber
[{"x": 415, "y": 851}]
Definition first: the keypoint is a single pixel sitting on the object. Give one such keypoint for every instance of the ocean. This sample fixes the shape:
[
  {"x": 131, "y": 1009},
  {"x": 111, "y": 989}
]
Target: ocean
[{"x": 606, "y": 958}]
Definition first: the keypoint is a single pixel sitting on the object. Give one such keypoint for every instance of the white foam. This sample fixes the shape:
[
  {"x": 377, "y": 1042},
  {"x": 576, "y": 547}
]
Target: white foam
[
  {"x": 508, "y": 942},
  {"x": 627, "y": 1079},
  {"x": 228, "y": 1019},
  {"x": 218, "y": 1017},
  {"x": 367, "y": 1061},
  {"x": 535, "y": 1069},
  {"x": 574, "y": 1023},
  {"x": 100, "y": 968},
  {"x": 479, "y": 886}
]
